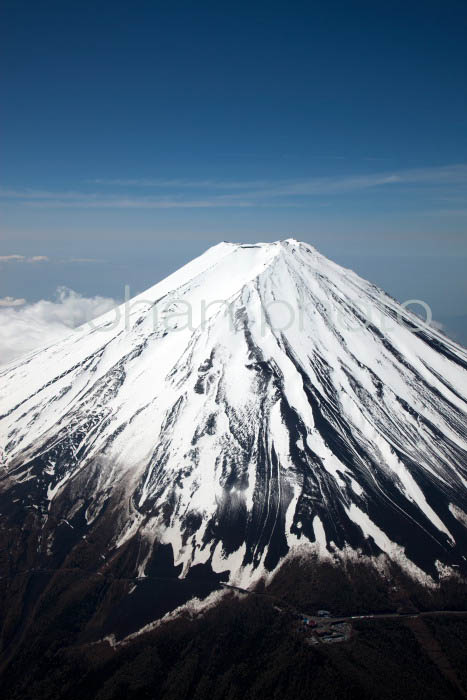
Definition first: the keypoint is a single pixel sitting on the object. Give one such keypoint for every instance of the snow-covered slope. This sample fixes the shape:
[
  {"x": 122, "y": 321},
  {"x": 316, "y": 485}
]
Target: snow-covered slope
[{"x": 259, "y": 399}]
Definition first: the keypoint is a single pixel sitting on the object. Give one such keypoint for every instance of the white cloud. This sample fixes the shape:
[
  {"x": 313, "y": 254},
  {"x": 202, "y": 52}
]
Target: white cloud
[
  {"x": 10, "y": 301},
  {"x": 24, "y": 327}
]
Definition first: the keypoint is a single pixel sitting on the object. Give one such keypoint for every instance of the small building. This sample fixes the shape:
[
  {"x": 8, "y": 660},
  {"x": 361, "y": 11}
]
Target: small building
[{"x": 341, "y": 626}]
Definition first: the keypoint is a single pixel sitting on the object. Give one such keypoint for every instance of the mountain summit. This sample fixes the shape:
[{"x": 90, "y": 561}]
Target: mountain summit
[{"x": 260, "y": 401}]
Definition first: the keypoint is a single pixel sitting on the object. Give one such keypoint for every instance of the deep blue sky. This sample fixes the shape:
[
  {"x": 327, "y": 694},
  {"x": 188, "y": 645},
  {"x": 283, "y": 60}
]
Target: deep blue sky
[{"x": 139, "y": 133}]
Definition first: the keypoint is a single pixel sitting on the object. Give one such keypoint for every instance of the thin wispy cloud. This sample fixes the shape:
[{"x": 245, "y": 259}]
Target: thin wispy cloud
[
  {"x": 447, "y": 212},
  {"x": 224, "y": 193},
  {"x": 12, "y": 258},
  {"x": 82, "y": 260},
  {"x": 440, "y": 175},
  {"x": 23, "y": 259},
  {"x": 31, "y": 193},
  {"x": 139, "y": 203},
  {"x": 15, "y": 258},
  {"x": 181, "y": 183}
]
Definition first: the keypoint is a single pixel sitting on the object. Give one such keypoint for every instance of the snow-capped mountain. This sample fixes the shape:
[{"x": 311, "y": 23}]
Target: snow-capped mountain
[{"x": 259, "y": 400}]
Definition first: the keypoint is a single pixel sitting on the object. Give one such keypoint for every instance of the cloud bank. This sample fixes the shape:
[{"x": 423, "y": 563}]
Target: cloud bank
[{"x": 25, "y": 327}]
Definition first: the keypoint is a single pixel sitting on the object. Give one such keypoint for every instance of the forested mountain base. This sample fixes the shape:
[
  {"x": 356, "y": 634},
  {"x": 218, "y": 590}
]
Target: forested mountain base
[
  {"x": 243, "y": 649},
  {"x": 247, "y": 646}
]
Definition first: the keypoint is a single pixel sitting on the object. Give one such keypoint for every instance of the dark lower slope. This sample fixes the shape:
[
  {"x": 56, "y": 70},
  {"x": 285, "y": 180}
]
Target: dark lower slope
[
  {"x": 355, "y": 588},
  {"x": 244, "y": 647},
  {"x": 245, "y": 650}
]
